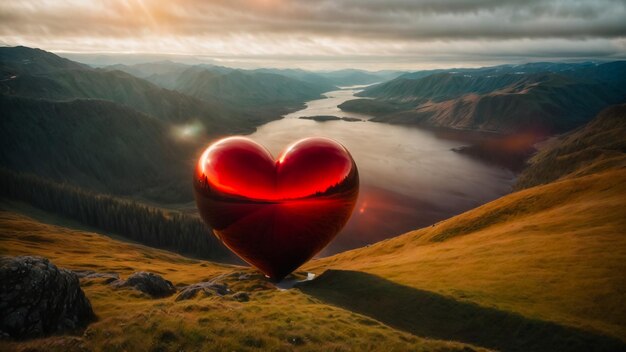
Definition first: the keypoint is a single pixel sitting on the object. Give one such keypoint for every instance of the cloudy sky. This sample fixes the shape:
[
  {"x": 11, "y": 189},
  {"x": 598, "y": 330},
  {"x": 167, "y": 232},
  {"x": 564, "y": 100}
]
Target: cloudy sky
[{"x": 369, "y": 34}]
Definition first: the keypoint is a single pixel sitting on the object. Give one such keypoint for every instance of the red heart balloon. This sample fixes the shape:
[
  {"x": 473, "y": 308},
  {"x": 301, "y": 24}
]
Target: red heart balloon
[{"x": 276, "y": 214}]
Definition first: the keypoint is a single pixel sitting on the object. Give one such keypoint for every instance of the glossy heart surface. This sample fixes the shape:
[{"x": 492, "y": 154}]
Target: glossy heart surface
[{"x": 276, "y": 214}]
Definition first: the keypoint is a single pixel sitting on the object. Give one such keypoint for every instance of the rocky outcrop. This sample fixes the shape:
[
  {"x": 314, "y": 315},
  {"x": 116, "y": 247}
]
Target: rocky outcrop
[
  {"x": 37, "y": 298},
  {"x": 208, "y": 288},
  {"x": 241, "y": 297},
  {"x": 149, "y": 283},
  {"x": 241, "y": 283}
]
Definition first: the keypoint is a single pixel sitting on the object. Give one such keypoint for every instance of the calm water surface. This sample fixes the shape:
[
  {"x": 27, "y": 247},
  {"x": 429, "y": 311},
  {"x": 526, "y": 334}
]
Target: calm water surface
[{"x": 410, "y": 177}]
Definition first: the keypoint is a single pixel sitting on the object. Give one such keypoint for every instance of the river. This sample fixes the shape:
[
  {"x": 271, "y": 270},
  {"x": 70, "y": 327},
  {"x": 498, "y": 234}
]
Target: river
[{"x": 410, "y": 177}]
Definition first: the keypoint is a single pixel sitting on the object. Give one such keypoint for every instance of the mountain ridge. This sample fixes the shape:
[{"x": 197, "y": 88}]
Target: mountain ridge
[
  {"x": 94, "y": 112},
  {"x": 495, "y": 101}
]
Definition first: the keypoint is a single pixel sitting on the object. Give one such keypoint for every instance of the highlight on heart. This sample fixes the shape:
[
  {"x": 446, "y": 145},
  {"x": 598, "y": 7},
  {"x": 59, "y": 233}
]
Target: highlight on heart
[{"x": 276, "y": 213}]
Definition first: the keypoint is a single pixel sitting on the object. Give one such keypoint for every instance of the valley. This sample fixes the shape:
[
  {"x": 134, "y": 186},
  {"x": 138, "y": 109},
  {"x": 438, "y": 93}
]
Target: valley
[
  {"x": 491, "y": 212},
  {"x": 539, "y": 269},
  {"x": 411, "y": 180}
]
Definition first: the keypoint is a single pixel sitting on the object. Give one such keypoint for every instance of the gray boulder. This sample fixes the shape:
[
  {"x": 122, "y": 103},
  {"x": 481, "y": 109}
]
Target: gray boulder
[
  {"x": 37, "y": 298},
  {"x": 149, "y": 283},
  {"x": 207, "y": 288}
]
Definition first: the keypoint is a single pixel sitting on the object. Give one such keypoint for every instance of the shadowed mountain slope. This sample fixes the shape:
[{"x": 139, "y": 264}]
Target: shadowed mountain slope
[
  {"x": 64, "y": 80},
  {"x": 115, "y": 86},
  {"x": 34, "y": 61},
  {"x": 599, "y": 145},
  {"x": 96, "y": 144},
  {"x": 107, "y": 130},
  {"x": 425, "y": 313}
]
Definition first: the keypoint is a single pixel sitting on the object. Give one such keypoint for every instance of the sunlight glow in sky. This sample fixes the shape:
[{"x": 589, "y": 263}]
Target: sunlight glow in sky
[{"x": 370, "y": 34}]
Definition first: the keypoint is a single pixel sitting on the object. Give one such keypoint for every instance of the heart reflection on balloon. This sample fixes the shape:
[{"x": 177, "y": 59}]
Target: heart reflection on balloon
[{"x": 276, "y": 214}]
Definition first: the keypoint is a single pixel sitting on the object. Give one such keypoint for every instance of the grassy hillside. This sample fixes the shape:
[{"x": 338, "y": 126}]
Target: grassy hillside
[
  {"x": 554, "y": 252},
  {"x": 599, "y": 145},
  {"x": 273, "y": 320},
  {"x": 545, "y": 264},
  {"x": 540, "y": 269}
]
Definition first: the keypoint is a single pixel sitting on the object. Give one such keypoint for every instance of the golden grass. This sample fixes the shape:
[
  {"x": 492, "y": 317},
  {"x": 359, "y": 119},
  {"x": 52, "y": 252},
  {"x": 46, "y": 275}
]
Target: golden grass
[
  {"x": 272, "y": 320},
  {"x": 555, "y": 252}
]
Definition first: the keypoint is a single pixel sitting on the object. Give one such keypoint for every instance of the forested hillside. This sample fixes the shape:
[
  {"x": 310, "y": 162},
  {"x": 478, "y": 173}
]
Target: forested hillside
[{"x": 155, "y": 227}]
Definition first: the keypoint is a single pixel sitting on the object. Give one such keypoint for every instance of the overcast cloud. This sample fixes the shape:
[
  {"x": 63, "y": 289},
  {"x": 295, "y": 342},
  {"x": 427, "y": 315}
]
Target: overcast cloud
[{"x": 323, "y": 34}]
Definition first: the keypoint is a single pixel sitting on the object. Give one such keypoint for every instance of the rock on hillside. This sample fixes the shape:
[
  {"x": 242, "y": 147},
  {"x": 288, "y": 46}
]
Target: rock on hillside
[
  {"x": 207, "y": 288},
  {"x": 37, "y": 298},
  {"x": 152, "y": 284}
]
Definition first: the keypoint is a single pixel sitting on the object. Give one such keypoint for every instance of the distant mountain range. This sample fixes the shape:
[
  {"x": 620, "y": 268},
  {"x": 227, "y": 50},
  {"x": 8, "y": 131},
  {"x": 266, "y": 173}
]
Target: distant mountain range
[
  {"x": 184, "y": 78},
  {"x": 227, "y": 85},
  {"x": 37, "y": 74},
  {"x": 96, "y": 127},
  {"x": 548, "y": 97}
]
